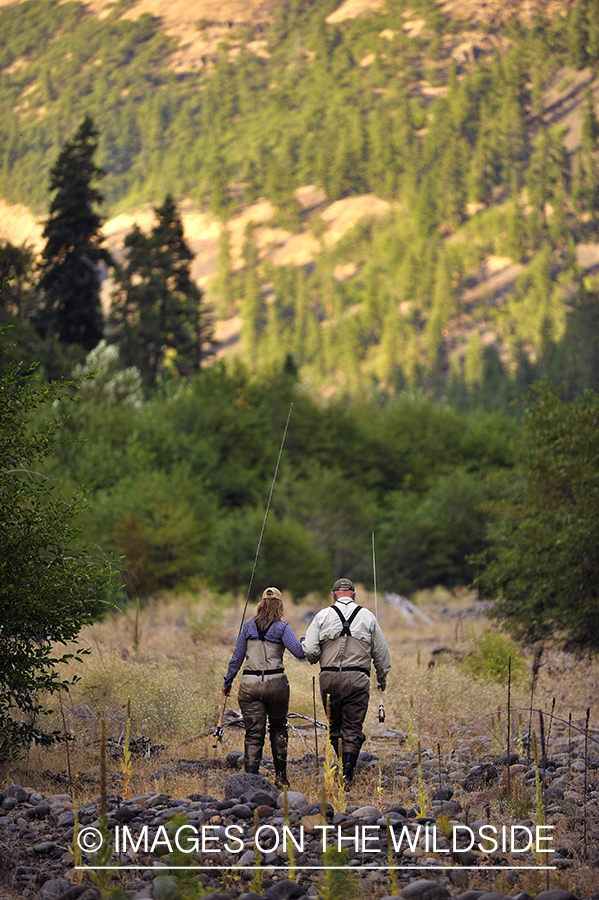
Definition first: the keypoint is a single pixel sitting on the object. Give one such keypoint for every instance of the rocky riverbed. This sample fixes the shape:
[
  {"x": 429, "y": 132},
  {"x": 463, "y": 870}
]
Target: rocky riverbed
[{"x": 454, "y": 825}]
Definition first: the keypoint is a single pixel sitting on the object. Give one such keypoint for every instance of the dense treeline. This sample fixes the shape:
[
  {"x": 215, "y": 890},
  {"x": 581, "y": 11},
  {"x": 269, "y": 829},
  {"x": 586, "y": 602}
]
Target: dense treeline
[
  {"x": 180, "y": 482},
  {"x": 309, "y": 113}
]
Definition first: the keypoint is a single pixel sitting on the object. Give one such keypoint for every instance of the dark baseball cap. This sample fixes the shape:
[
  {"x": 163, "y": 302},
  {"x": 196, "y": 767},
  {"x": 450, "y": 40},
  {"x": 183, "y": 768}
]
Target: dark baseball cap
[{"x": 343, "y": 584}]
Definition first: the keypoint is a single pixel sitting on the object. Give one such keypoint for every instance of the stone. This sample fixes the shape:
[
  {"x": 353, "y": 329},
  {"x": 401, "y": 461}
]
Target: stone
[
  {"x": 16, "y": 792},
  {"x": 82, "y": 892},
  {"x": 264, "y": 811},
  {"x": 284, "y": 890},
  {"x": 295, "y": 800},
  {"x": 556, "y": 894},
  {"x": 492, "y": 895},
  {"x": 448, "y": 808},
  {"x": 310, "y": 822},
  {"x": 44, "y": 847},
  {"x": 365, "y": 812},
  {"x": 243, "y": 784},
  {"x": 443, "y": 793},
  {"x": 165, "y": 887},
  {"x": 424, "y": 890},
  {"x": 157, "y": 800},
  {"x": 479, "y": 776},
  {"x": 66, "y": 818},
  {"x": 241, "y": 811},
  {"x": 55, "y": 889},
  {"x": 234, "y": 759},
  {"x": 38, "y": 812}
]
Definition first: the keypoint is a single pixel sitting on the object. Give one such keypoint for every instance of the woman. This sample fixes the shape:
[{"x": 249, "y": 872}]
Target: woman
[{"x": 264, "y": 688}]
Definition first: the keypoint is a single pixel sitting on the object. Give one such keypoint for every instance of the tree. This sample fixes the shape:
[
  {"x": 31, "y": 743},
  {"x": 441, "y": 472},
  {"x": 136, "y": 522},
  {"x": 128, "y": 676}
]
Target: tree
[
  {"x": 70, "y": 269},
  {"x": 48, "y": 587},
  {"x": 16, "y": 270},
  {"x": 157, "y": 311},
  {"x": 542, "y": 566}
]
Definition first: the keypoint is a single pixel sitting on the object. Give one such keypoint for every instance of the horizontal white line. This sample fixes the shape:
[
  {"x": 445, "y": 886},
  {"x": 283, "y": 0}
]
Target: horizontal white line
[{"x": 290, "y": 868}]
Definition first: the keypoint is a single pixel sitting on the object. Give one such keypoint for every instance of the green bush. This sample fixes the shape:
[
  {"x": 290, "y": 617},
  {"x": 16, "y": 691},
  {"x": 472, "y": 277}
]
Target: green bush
[{"x": 490, "y": 658}]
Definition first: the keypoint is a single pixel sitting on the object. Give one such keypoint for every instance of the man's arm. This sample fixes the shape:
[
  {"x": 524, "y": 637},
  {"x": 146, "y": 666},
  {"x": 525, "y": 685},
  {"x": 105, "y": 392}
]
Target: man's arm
[
  {"x": 311, "y": 642},
  {"x": 380, "y": 654}
]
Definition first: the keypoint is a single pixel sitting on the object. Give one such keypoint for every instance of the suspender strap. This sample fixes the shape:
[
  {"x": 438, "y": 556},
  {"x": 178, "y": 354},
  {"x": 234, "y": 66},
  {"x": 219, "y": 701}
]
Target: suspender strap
[{"x": 345, "y": 631}]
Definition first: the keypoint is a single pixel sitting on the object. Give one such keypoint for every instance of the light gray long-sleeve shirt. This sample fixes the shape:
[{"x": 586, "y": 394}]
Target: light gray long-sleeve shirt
[{"x": 326, "y": 625}]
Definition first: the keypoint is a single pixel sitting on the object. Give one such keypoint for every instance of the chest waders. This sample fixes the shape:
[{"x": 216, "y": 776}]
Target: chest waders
[
  {"x": 343, "y": 662},
  {"x": 264, "y": 695}
]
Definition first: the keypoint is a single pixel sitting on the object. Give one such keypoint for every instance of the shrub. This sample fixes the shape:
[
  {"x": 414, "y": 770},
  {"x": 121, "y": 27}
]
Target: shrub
[{"x": 490, "y": 657}]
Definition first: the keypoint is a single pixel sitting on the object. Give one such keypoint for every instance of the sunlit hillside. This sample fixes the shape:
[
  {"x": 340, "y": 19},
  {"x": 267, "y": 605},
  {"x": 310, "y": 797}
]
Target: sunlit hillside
[{"x": 400, "y": 196}]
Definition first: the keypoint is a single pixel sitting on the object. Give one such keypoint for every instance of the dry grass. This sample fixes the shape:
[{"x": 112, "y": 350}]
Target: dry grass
[{"x": 175, "y": 675}]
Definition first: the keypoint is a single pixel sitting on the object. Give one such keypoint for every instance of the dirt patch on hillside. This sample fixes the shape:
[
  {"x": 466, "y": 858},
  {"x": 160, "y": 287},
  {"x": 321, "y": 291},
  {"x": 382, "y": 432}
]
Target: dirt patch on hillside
[
  {"x": 19, "y": 226},
  {"x": 353, "y": 8},
  {"x": 498, "y": 13},
  {"x": 565, "y": 102}
]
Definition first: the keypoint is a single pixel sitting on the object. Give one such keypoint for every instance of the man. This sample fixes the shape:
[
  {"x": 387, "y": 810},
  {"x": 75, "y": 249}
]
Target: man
[{"x": 345, "y": 637}]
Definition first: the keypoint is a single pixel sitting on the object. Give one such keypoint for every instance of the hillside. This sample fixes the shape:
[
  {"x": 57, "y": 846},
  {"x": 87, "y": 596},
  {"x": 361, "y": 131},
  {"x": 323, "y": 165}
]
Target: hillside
[{"x": 383, "y": 160}]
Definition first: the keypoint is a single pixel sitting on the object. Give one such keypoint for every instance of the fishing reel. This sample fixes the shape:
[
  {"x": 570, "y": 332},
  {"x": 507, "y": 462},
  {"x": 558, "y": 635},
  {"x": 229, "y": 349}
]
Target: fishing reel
[
  {"x": 381, "y": 709},
  {"x": 218, "y": 735}
]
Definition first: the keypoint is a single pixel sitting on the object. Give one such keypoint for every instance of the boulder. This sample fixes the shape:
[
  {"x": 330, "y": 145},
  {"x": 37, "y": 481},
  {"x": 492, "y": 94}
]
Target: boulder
[{"x": 245, "y": 783}]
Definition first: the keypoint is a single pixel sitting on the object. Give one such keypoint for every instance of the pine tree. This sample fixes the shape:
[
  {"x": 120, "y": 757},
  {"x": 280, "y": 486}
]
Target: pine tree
[
  {"x": 157, "y": 312},
  {"x": 578, "y": 36},
  {"x": 593, "y": 31},
  {"x": 70, "y": 269},
  {"x": 252, "y": 303}
]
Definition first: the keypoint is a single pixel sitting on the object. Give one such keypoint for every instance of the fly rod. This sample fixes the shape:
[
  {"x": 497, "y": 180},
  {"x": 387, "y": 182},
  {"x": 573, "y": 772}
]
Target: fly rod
[
  {"x": 376, "y": 615},
  {"x": 272, "y": 487},
  {"x": 218, "y": 731}
]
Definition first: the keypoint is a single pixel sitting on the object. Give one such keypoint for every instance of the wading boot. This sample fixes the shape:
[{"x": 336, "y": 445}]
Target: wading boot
[
  {"x": 280, "y": 772},
  {"x": 349, "y": 764},
  {"x": 252, "y": 768}
]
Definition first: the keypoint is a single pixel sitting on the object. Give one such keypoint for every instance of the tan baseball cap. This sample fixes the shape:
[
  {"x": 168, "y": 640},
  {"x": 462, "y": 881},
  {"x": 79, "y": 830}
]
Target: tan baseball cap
[{"x": 272, "y": 592}]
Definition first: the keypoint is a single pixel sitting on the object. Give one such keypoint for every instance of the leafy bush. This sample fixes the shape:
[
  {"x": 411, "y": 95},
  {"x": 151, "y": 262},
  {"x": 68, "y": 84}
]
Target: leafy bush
[
  {"x": 490, "y": 658},
  {"x": 49, "y": 587}
]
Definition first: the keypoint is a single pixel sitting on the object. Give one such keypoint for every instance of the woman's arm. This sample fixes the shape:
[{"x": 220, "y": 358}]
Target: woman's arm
[
  {"x": 291, "y": 642},
  {"x": 236, "y": 661}
]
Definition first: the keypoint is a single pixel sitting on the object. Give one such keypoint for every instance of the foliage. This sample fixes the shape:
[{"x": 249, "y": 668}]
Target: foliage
[
  {"x": 541, "y": 566},
  {"x": 49, "y": 586},
  {"x": 491, "y": 655},
  {"x": 70, "y": 281},
  {"x": 179, "y": 483},
  {"x": 337, "y": 882},
  {"x": 111, "y": 384},
  {"x": 156, "y": 314},
  {"x": 314, "y": 111}
]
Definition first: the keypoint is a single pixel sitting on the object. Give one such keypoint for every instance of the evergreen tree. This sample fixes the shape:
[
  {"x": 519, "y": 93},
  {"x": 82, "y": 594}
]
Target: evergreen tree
[
  {"x": 224, "y": 273},
  {"x": 593, "y": 31},
  {"x": 16, "y": 271},
  {"x": 252, "y": 304},
  {"x": 157, "y": 311},
  {"x": 578, "y": 36},
  {"x": 70, "y": 269}
]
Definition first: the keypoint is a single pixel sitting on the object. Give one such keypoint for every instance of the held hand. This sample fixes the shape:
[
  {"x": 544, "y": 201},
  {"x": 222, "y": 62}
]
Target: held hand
[
  {"x": 226, "y": 691},
  {"x": 383, "y": 687}
]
